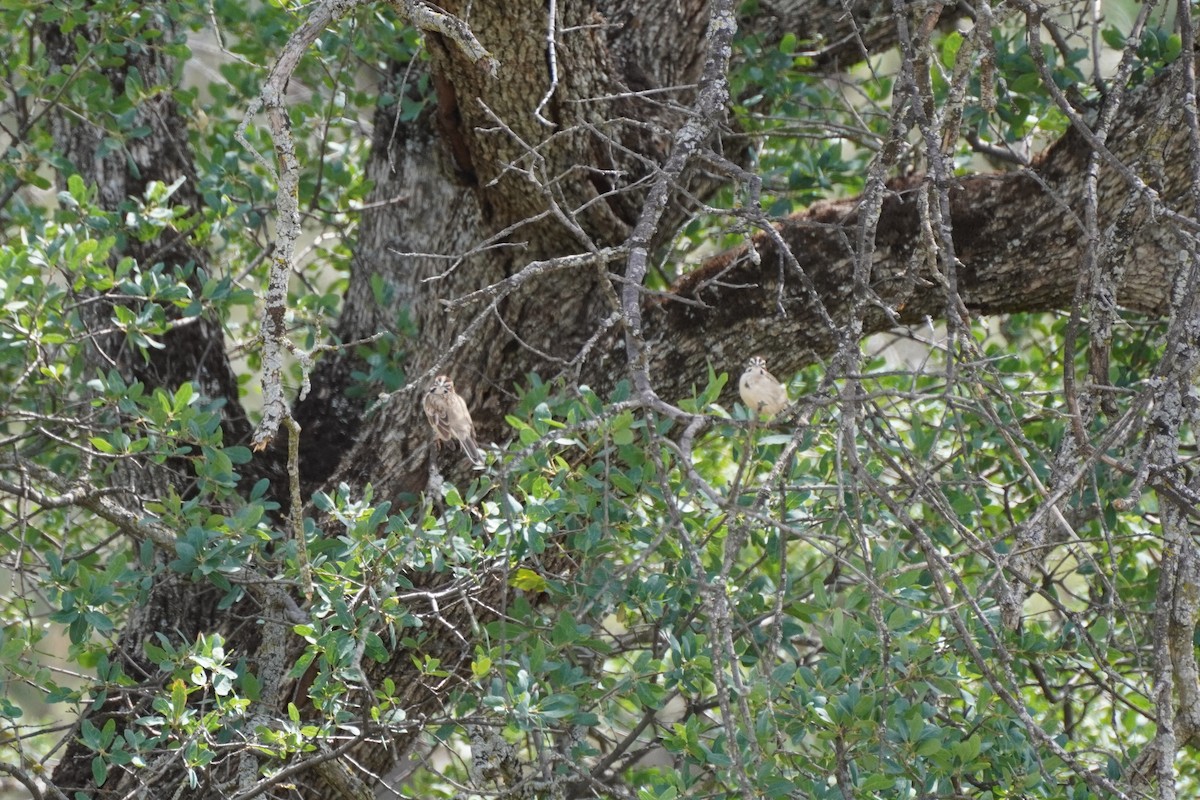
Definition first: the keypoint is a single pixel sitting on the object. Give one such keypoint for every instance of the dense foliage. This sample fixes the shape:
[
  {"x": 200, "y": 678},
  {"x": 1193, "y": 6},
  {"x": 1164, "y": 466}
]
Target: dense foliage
[{"x": 700, "y": 605}]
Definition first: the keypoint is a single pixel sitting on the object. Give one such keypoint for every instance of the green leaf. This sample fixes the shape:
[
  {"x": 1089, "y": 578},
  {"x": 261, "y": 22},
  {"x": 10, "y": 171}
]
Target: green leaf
[
  {"x": 559, "y": 706},
  {"x": 375, "y": 648},
  {"x": 77, "y": 188},
  {"x": 874, "y": 783},
  {"x": 178, "y": 698},
  {"x": 99, "y": 770},
  {"x": 90, "y": 735},
  {"x": 251, "y": 686},
  {"x": 951, "y": 44},
  {"x": 528, "y": 580},
  {"x": 565, "y": 631},
  {"x": 1025, "y": 83},
  {"x": 183, "y": 397},
  {"x": 1172, "y": 47}
]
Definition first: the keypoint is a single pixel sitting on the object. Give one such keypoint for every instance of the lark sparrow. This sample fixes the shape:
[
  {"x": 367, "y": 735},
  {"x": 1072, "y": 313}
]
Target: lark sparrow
[
  {"x": 761, "y": 393},
  {"x": 450, "y": 418}
]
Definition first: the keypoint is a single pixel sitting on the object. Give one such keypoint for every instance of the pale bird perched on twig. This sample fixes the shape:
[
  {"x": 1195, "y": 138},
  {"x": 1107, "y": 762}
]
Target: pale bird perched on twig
[
  {"x": 761, "y": 393},
  {"x": 450, "y": 418}
]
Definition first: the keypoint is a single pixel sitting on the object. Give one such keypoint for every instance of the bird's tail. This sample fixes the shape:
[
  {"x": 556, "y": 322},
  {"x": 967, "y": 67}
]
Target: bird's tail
[{"x": 472, "y": 450}]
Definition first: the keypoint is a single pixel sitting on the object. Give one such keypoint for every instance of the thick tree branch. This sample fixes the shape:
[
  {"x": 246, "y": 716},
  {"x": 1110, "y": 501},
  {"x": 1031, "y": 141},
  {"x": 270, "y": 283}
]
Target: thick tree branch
[
  {"x": 841, "y": 34},
  {"x": 754, "y": 305}
]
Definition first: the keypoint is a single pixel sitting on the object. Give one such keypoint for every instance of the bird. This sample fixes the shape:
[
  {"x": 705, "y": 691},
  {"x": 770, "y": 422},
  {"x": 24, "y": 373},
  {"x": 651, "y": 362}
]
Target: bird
[
  {"x": 761, "y": 393},
  {"x": 449, "y": 417}
]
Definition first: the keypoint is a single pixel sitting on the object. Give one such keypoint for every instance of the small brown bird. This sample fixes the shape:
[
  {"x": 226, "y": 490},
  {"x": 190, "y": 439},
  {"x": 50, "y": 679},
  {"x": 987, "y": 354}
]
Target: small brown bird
[
  {"x": 450, "y": 418},
  {"x": 761, "y": 393}
]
